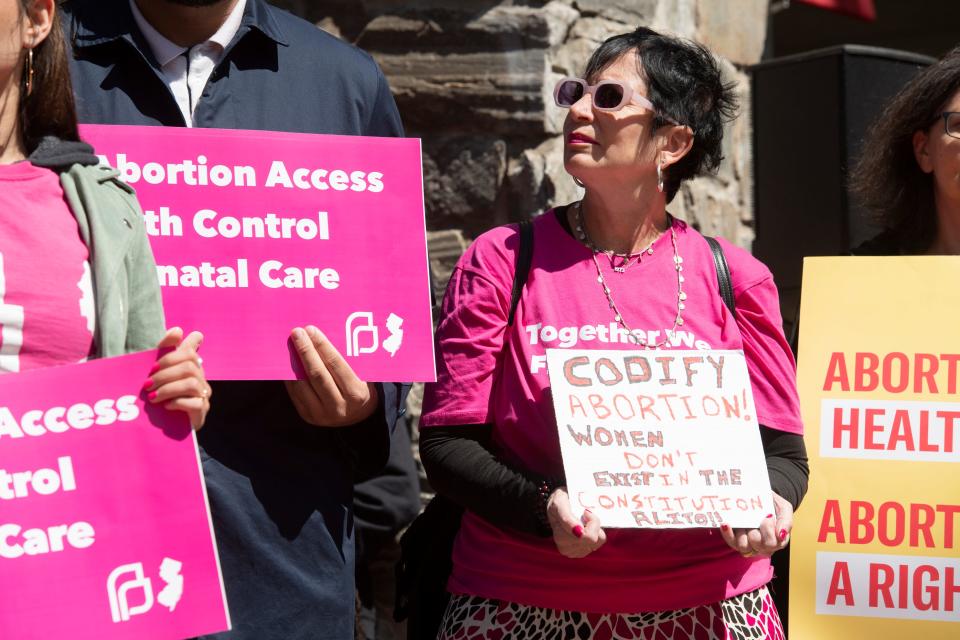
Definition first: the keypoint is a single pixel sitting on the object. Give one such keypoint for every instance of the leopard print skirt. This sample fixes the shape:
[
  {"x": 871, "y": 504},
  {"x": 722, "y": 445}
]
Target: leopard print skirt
[{"x": 751, "y": 616}]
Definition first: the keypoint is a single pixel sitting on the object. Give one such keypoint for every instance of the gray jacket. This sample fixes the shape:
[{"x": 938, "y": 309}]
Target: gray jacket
[{"x": 126, "y": 290}]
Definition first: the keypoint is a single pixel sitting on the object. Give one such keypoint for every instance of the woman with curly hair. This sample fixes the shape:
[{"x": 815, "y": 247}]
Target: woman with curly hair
[
  {"x": 648, "y": 114},
  {"x": 909, "y": 172}
]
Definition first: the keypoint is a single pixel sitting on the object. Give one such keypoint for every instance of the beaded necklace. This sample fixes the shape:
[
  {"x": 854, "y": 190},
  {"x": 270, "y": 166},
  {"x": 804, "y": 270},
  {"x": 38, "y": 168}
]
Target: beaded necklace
[{"x": 677, "y": 261}]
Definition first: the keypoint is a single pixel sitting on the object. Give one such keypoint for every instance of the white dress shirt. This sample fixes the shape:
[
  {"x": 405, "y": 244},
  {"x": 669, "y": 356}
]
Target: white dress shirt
[{"x": 188, "y": 69}]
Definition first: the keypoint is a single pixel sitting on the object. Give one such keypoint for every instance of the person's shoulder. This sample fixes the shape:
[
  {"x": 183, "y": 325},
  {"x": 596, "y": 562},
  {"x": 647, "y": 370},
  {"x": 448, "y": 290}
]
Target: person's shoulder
[
  {"x": 887, "y": 243},
  {"x": 102, "y": 191},
  {"x": 746, "y": 271},
  {"x": 301, "y": 34},
  {"x": 495, "y": 252}
]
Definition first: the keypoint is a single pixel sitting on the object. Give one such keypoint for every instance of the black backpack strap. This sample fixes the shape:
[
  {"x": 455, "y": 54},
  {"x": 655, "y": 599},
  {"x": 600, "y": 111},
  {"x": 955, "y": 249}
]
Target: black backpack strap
[
  {"x": 524, "y": 259},
  {"x": 723, "y": 274}
]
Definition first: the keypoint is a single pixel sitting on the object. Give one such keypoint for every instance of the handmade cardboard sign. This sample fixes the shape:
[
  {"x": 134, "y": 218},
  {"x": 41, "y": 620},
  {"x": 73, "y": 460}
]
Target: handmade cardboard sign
[
  {"x": 105, "y": 530},
  {"x": 660, "y": 439},
  {"x": 256, "y": 233},
  {"x": 876, "y": 543}
]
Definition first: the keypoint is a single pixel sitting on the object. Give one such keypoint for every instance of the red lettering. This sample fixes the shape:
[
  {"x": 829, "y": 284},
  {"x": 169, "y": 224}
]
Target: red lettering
[
  {"x": 921, "y": 521},
  {"x": 583, "y": 503},
  {"x": 633, "y": 378},
  {"x": 600, "y": 409},
  {"x": 633, "y": 460},
  {"x": 881, "y": 588},
  {"x": 948, "y": 418},
  {"x": 573, "y": 378},
  {"x": 951, "y": 359},
  {"x": 619, "y": 402},
  {"x": 901, "y": 432},
  {"x": 950, "y": 588},
  {"x": 883, "y": 524},
  {"x": 904, "y": 372},
  {"x": 926, "y": 365},
  {"x": 606, "y": 363},
  {"x": 576, "y": 405},
  {"x": 832, "y": 522},
  {"x": 861, "y": 522},
  {"x": 871, "y": 429},
  {"x": 840, "y": 585},
  {"x": 688, "y": 369},
  {"x": 919, "y": 588},
  {"x": 852, "y": 428},
  {"x": 731, "y": 410},
  {"x": 904, "y": 571},
  {"x": 949, "y": 510},
  {"x": 716, "y": 406},
  {"x": 646, "y": 406},
  {"x": 665, "y": 362},
  {"x": 925, "y": 444},
  {"x": 837, "y": 373},
  {"x": 865, "y": 371}
]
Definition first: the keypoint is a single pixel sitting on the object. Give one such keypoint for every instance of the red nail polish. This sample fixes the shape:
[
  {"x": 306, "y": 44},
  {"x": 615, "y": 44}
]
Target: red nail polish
[
  {"x": 783, "y": 535},
  {"x": 725, "y": 527},
  {"x": 152, "y": 395},
  {"x": 578, "y": 531},
  {"x": 147, "y": 384},
  {"x": 155, "y": 368},
  {"x": 769, "y": 515}
]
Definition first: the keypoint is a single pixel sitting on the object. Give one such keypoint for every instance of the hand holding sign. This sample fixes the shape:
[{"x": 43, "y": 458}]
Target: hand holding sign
[
  {"x": 177, "y": 379},
  {"x": 771, "y": 536},
  {"x": 332, "y": 395},
  {"x": 574, "y": 538}
]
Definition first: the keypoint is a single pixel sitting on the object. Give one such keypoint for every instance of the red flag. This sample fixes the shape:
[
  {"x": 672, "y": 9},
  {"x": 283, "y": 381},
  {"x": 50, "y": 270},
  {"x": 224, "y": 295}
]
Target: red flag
[{"x": 863, "y": 9}]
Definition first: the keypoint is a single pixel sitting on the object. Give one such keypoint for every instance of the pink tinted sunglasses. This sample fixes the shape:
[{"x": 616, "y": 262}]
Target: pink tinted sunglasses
[{"x": 607, "y": 95}]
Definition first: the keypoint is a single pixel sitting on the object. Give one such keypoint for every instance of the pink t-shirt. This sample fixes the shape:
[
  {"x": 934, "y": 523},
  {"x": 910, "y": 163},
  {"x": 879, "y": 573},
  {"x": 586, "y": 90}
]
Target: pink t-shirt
[
  {"x": 47, "y": 308},
  {"x": 490, "y": 374}
]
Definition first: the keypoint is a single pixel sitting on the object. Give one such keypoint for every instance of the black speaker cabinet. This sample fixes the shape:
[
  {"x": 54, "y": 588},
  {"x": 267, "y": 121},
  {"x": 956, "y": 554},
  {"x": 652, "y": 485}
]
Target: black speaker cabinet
[{"x": 811, "y": 112}]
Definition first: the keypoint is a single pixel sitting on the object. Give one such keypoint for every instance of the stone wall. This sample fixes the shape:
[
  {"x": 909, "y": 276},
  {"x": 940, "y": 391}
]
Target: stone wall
[{"x": 474, "y": 80}]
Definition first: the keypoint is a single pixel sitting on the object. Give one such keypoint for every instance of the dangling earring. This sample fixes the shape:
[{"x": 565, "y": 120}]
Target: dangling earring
[
  {"x": 28, "y": 72},
  {"x": 659, "y": 177}
]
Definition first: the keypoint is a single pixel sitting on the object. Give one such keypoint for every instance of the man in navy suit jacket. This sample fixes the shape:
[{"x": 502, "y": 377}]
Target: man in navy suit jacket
[{"x": 279, "y": 470}]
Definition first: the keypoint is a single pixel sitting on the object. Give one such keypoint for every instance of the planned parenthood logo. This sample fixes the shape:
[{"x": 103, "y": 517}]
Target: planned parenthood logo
[
  {"x": 363, "y": 334},
  {"x": 130, "y": 591}
]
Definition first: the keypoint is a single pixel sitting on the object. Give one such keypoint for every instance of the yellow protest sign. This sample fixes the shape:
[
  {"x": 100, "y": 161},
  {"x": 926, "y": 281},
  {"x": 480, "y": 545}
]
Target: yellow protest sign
[{"x": 875, "y": 547}]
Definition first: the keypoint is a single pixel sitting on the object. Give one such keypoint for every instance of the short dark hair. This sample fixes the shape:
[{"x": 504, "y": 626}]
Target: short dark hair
[
  {"x": 49, "y": 110},
  {"x": 887, "y": 178},
  {"x": 684, "y": 83}
]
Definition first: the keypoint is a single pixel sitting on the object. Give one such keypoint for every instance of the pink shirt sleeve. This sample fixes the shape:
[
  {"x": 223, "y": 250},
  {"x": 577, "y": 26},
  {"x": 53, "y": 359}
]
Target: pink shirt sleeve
[
  {"x": 773, "y": 371},
  {"x": 469, "y": 337}
]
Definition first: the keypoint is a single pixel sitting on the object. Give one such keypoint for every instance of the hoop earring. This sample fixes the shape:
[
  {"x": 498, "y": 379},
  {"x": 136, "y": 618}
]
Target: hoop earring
[
  {"x": 659, "y": 177},
  {"x": 577, "y": 181},
  {"x": 28, "y": 72}
]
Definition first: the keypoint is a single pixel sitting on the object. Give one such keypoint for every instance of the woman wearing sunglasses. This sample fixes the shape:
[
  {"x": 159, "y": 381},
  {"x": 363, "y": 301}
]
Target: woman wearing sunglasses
[
  {"x": 909, "y": 172},
  {"x": 77, "y": 279},
  {"x": 612, "y": 271}
]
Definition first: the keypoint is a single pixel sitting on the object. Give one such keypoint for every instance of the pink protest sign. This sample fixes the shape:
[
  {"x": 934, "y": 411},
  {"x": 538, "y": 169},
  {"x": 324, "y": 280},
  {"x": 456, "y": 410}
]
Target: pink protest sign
[
  {"x": 256, "y": 233},
  {"x": 105, "y": 530}
]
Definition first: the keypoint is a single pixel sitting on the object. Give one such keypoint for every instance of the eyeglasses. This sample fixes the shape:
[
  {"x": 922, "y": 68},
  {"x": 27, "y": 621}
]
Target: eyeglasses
[
  {"x": 951, "y": 123},
  {"x": 607, "y": 95}
]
